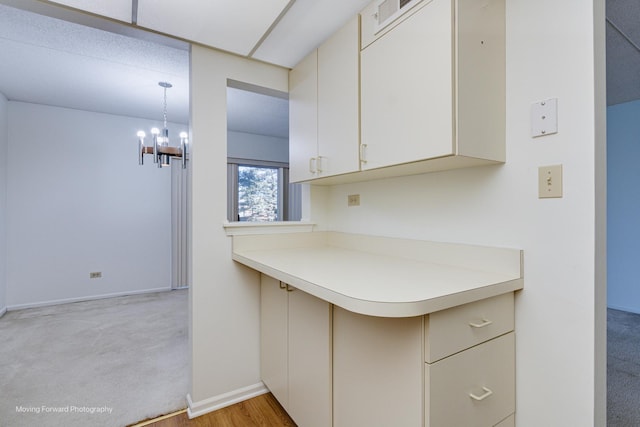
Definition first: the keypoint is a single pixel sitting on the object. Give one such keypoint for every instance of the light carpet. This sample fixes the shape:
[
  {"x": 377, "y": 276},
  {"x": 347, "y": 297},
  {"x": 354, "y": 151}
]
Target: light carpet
[
  {"x": 109, "y": 362},
  {"x": 623, "y": 369}
]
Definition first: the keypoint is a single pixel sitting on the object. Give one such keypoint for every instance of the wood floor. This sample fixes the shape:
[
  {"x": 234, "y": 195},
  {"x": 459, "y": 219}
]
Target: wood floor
[{"x": 263, "y": 410}]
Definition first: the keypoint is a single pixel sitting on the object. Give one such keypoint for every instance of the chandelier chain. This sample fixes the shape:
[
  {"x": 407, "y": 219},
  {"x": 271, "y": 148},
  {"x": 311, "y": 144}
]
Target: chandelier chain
[{"x": 165, "y": 108}]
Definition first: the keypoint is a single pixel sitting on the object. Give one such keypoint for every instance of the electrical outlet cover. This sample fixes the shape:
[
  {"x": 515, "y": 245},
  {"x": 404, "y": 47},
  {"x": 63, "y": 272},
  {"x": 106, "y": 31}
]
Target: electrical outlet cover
[{"x": 544, "y": 117}]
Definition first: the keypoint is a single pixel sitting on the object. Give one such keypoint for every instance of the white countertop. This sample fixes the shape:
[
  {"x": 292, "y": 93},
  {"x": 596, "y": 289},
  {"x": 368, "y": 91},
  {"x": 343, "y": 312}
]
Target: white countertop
[{"x": 366, "y": 280}]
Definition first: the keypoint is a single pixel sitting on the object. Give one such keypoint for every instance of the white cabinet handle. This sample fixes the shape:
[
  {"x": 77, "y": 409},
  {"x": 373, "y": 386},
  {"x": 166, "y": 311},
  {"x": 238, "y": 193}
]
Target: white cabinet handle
[
  {"x": 363, "y": 153},
  {"x": 284, "y": 286},
  {"x": 482, "y": 397},
  {"x": 312, "y": 165},
  {"x": 482, "y": 324},
  {"x": 319, "y": 162}
]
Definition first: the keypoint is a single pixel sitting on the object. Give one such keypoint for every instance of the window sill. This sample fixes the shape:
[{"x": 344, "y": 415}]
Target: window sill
[{"x": 242, "y": 228}]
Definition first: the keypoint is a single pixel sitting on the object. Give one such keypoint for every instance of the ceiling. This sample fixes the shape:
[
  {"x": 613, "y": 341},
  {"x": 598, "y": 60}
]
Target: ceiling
[
  {"x": 59, "y": 56},
  {"x": 623, "y": 51}
]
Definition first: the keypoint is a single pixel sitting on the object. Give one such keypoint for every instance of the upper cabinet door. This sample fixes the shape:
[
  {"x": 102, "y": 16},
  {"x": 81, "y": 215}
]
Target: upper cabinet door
[
  {"x": 407, "y": 90},
  {"x": 338, "y": 101},
  {"x": 116, "y": 9},
  {"x": 324, "y": 110},
  {"x": 303, "y": 119},
  {"x": 232, "y": 25}
]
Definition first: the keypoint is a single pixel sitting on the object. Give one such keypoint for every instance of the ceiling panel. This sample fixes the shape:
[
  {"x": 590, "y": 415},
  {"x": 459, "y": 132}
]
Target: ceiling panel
[
  {"x": 256, "y": 113},
  {"x": 623, "y": 51},
  {"x": 304, "y": 27},
  {"x": 116, "y": 9},
  {"x": 232, "y": 25},
  {"x": 623, "y": 69},
  {"x": 49, "y": 61}
]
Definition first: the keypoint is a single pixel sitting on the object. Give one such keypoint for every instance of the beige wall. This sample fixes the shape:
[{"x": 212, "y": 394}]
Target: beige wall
[{"x": 224, "y": 296}]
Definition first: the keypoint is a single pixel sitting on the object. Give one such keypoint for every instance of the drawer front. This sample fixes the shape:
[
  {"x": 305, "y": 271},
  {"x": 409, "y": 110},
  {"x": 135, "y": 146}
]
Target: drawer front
[
  {"x": 474, "y": 388},
  {"x": 510, "y": 421},
  {"x": 458, "y": 328}
]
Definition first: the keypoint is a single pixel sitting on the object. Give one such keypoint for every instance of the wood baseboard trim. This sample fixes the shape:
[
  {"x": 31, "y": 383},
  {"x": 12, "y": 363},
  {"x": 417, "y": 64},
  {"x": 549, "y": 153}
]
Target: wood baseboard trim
[
  {"x": 195, "y": 409},
  {"x": 161, "y": 418},
  {"x": 3, "y": 311}
]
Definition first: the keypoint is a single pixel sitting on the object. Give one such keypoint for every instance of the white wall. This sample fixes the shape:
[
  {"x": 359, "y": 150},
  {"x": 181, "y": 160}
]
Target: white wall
[
  {"x": 242, "y": 145},
  {"x": 4, "y": 144},
  {"x": 78, "y": 203},
  {"x": 559, "y": 324},
  {"x": 224, "y": 296}
]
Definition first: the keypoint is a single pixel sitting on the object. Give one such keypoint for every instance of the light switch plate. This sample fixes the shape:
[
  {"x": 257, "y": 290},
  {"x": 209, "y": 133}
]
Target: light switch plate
[
  {"x": 544, "y": 117},
  {"x": 550, "y": 181}
]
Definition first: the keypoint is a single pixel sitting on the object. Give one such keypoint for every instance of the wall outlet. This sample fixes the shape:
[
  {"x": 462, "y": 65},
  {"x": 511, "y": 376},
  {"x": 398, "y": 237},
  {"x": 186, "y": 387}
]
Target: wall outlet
[
  {"x": 95, "y": 275},
  {"x": 353, "y": 200}
]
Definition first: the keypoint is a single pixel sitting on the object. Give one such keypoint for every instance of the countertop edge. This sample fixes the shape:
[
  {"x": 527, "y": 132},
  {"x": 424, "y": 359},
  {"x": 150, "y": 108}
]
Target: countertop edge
[{"x": 384, "y": 309}]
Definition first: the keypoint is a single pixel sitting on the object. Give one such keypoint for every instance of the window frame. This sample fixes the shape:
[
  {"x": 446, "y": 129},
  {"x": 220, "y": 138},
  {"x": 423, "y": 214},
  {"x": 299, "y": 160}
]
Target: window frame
[{"x": 232, "y": 186}]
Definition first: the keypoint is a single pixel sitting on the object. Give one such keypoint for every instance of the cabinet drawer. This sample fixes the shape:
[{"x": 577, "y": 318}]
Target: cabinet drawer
[
  {"x": 510, "y": 421},
  {"x": 458, "y": 328},
  {"x": 474, "y": 388}
]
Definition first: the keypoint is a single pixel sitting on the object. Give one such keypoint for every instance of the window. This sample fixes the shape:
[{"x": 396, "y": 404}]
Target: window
[
  {"x": 260, "y": 191},
  {"x": 258, "y": 195}
]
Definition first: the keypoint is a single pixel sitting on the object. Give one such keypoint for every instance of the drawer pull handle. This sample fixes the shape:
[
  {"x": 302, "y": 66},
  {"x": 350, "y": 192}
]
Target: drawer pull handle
[
  {"x": 485, "y": 322},
  {"x": 290, "y": 289},
  {"x": 482, "y": 397}
]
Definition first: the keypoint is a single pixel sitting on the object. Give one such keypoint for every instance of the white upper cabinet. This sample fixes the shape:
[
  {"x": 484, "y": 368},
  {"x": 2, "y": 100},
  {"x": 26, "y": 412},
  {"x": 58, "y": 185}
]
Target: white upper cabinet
[
  {"x": 116, "y": 9},
  {"x": 433, "y": 87},
  {"x": 324, "y": 108},
  {"x": 407, "y": 86},
  {"x": 338, "y": 101},
  {"x": 303, "y": 119}
]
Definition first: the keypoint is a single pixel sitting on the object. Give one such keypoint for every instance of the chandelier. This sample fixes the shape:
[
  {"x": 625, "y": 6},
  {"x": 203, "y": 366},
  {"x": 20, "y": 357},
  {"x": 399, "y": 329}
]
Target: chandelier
[{"x": 161, "y": 150}]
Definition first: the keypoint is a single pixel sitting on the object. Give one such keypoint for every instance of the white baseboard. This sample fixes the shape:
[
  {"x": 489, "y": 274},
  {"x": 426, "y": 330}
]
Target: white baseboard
[
  {"x": 3, "y": 311},
  {"x": 85, "y": 298},
  {"x": 195, "y": 409}
]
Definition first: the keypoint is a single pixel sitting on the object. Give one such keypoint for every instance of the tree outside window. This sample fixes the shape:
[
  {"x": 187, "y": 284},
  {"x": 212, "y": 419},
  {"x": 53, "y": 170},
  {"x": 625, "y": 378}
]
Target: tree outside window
[{"x": 257, "y": 193}]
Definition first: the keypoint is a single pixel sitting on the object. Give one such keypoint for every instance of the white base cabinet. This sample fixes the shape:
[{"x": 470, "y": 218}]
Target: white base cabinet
[
  {"x": 377, "y": 370},
  {"x": 385, "y": 332},
  {"x": 473, "y": 388},
  {"x": 331, "y": 367},
  {"x": 295, "y": 343},
  {"x": 379, "y": 367}
]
